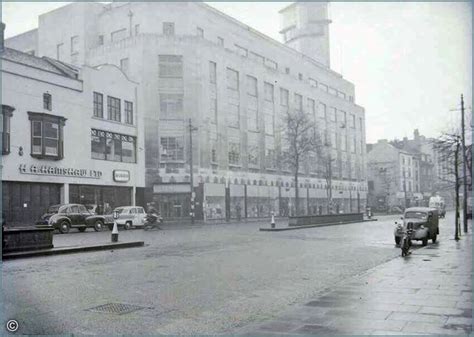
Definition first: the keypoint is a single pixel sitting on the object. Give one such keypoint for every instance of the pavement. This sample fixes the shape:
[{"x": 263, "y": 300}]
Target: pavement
[
  {"x": 428, "y": 292},
  {"x": 209, "y": 280}
]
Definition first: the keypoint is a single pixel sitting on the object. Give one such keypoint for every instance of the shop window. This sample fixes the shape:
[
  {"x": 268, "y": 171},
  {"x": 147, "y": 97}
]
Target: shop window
[
  {"x": 111, "y": 146},
  {"x": 129, "y": 112},
  {"x": 170, "y": 66},
  {"x": 47, "y": 101},
  {"x": 46, "y": 135},
  {"x": 172, "y": 149},
  {"x": 98, "y": 105},
  {"x": 7, "y": 113},
  {"x": 113, "y": 109}
]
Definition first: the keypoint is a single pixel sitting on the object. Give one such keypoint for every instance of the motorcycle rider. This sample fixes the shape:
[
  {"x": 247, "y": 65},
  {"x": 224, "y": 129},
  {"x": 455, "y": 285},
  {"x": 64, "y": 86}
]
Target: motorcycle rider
[{"x": 153, "y": 217}]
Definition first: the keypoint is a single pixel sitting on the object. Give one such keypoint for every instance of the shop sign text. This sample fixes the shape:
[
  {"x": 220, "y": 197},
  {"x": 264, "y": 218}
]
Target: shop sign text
[
  {"x": 46, "y": 170},
  {"x": 121, "y": 176}
]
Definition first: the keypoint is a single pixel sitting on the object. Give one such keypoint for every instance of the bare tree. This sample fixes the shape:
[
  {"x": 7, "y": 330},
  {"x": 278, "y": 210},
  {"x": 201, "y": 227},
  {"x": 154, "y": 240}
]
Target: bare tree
[
  {"x": 300, "y": 143},
  {"x": 449, "y": 149},
  {"x": 322, "y": 147}
]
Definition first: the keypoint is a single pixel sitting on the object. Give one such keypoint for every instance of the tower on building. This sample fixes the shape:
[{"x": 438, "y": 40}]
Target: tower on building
[{"x": 305, "y": 27}]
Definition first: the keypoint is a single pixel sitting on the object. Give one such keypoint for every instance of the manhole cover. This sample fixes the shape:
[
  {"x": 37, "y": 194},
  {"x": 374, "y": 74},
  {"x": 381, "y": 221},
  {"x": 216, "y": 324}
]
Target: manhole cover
[{"x": 116, "y": 308}]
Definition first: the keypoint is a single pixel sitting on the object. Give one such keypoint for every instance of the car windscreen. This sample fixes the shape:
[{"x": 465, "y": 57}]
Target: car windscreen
[
  {"x": 416, "y": 215},
  {"x": 53, "y": 209},
  {"x": 120, "y": 210}
]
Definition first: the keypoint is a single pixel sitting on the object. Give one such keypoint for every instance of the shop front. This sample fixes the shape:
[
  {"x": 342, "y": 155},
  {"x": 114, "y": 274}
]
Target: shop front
[{"x": 107, "y": 197}]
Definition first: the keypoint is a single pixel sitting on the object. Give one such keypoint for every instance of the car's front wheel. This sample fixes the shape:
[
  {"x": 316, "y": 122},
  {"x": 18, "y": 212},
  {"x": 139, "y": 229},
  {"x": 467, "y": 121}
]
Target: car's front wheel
[
  {"x": 397, "y": 240},
  {"x": 98, "y": 225},
  {"x": 64, "y": 227}
]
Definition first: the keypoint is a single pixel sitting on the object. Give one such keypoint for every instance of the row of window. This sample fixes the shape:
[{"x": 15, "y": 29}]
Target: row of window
[
  {"x": 112, "y": 146},
  {"x": 113, "y": 108}
]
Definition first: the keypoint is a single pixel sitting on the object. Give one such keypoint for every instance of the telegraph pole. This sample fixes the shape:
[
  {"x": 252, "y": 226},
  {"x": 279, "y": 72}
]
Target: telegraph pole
[
  {"x": 191, "y": 129},
  {"x": 464, "y": 161}
]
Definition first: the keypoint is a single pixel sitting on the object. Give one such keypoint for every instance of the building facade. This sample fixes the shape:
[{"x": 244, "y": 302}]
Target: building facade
[
  {"x": 61, "y": 142},
  {"x": 235, "y": 85}
]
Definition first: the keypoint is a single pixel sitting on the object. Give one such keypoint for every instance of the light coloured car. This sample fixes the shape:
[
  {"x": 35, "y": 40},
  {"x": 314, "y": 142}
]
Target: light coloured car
[
  {"x": 130, "y": 216},
  {"x": 425, "y": 222}
]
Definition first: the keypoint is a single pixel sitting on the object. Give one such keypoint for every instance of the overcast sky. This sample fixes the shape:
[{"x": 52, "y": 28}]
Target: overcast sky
[{"x": 409, "y": 62}]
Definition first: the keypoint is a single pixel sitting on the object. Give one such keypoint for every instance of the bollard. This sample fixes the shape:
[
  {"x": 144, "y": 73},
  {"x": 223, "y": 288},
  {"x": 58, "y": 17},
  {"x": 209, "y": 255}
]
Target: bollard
[
  {"x": 115, "y": 232},
  {"x": 273, "y": 220}
]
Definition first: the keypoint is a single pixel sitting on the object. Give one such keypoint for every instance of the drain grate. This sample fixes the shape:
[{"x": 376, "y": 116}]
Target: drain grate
[{"x": 116, "y": 308}]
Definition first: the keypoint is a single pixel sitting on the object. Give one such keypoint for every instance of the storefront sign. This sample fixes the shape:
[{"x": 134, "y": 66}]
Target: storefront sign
[
  {"x": 121, "y": 176},
  {"x": 45, "y": 170},
  {"x": 171, "y": 188}
]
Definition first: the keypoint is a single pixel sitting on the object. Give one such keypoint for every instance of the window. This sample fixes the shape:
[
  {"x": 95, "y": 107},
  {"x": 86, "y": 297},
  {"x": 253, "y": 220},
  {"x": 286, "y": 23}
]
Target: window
[
  {"x": 101, "y": 40},
  {"x": 212, "y": 72},
  {"x": 344, "y": 143},
  {"x": 332, "y": 91},
  {"x": 128, "y": 112},
  {"x": 311, "y": 107},
  {"x": 253, "y": 154},
  {"x": 333, "y": 114},
  {"x": 284, "y": 97},
  {"x": 287, "y": 70},
  {"x": 60, "y": 51},
  {"x": 113, "y": 109},
  {"x": 112, "y": 146},
  {"x": 137, "y": 29},
  {"x": 170, "y": 66},
  {"x": 171, "y": 106},
  {"x": 46, "y": 135},
  {"x": 322, "y": 110},
  {"x": 7, "y": 113},
  {"x": 220, "y": 41},
  {"x": 361, "y": 123},
  {"x": 343, "y": 118},
  {"x": 124, "y": 65},
  {"x": 313, "y": 82},
  {"x": 213, "y": 110},
  {"x": 98, "y": 105},
  {"x": 172, "y": 149},
  {"x": 232, "y": 79},
  {"x": 234, "y": 153},
  {"x": 270, "y": 159},
  {"x": 257, "y": 57},
  {"x": 271, "y": 64},
  {"x": 168, "y": 28},
  {"x": 300, "y": 76},
  {"x": 353, "y": 145},
  {"x": 213, "y": 151},
  {"x": 298, "y": 102},
  {"x": 241, "y": 51},
  {"x": 251, "y": 86},
  {"x": 200, "y": 32},
  {"x": 47, "y": 101},
  {"x": 252, "y": 103},
  {"x": 268, "y": 88},
  {"x": 353, "y": 121},
  {"x": 74, "y": 44}
]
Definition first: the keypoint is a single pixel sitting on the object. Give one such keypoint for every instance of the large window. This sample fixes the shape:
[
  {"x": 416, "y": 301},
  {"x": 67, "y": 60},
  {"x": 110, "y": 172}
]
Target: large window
[
  {"x": 234, "y": 153},
  {"x": 172, "y": 149},
  {"x": 232, "y": 79},
  {"x": 322, "y": 110},
  {"x": 46, "y": 135},
  {"x": 47, "y": 101},
  {"x": 170, "y": 66},
  {"x": 283, "y": 97},
  {"x": 298, "y": 102},
  {"x": 7, "y": 113},
  {"x": 333, "y": 114},
  {"x": 233, "y": 98},
  {"x": 128, "y": 112},
  {"x": 212, "y": 72},
  {"x": 252, "y": 103},
  {"x": 113, "y": 109},
  {"x": 74, "y": 44},
  {"x": 98, "y": 105},
  {"x": 171, "y": 106},
  {"x": 113, "y": 146},
  {"x": 269, "y": 109}
]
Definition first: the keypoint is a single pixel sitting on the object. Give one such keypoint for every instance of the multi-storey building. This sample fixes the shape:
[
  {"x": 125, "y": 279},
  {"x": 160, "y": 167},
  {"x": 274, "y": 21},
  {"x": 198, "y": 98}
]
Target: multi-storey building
[
  {"x": 235, "y": 85},
  {"x": 394, "y": 176},
  {"x": 61, "y": 143}
]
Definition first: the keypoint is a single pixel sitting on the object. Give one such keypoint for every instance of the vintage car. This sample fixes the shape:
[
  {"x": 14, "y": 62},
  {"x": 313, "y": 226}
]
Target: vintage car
[
  {"x": 108, "y": 216},
  {"x": 130, "y": 216},
  {"x": 65, "y": 217},
  {"x": 425, "y": 222}
]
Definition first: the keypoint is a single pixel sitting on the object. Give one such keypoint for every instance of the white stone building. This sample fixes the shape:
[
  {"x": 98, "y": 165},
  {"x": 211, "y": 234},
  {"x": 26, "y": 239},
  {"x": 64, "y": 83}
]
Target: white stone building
[
  {"x": 58, "y": 144},
  {"x": 235, "y": 84}
]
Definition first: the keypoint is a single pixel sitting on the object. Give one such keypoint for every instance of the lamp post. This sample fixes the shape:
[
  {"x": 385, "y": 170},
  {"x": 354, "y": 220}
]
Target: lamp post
[{"x": 191, "y": 129}]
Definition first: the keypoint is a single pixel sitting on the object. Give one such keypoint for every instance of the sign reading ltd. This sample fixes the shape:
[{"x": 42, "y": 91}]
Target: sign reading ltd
[{"x": 46, "y": 170}]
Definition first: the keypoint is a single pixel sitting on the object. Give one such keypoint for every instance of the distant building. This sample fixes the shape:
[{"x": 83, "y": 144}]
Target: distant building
[
  {"x": 394, "y": 177},
  {"x": 56, "y": 145},
  {"x": 235, "y": 84}
]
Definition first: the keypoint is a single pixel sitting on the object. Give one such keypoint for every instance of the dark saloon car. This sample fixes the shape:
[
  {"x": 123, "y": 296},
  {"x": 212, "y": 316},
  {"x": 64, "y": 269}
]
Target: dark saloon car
[{"x": 65, "y": 217}]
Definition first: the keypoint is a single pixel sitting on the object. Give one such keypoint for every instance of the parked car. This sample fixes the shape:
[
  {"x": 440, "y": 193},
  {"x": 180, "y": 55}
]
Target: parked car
[
  {"x": 438, "y": 203},
  {"x": 425, "y": 222},
  {"x": 130, "y": 217},
  {"x": 65, "y": 217},
  {"x": 93, "y": 208}
]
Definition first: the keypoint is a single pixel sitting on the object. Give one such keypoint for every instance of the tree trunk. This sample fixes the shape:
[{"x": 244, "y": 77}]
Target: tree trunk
[{"x": 297, "y": 199}]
